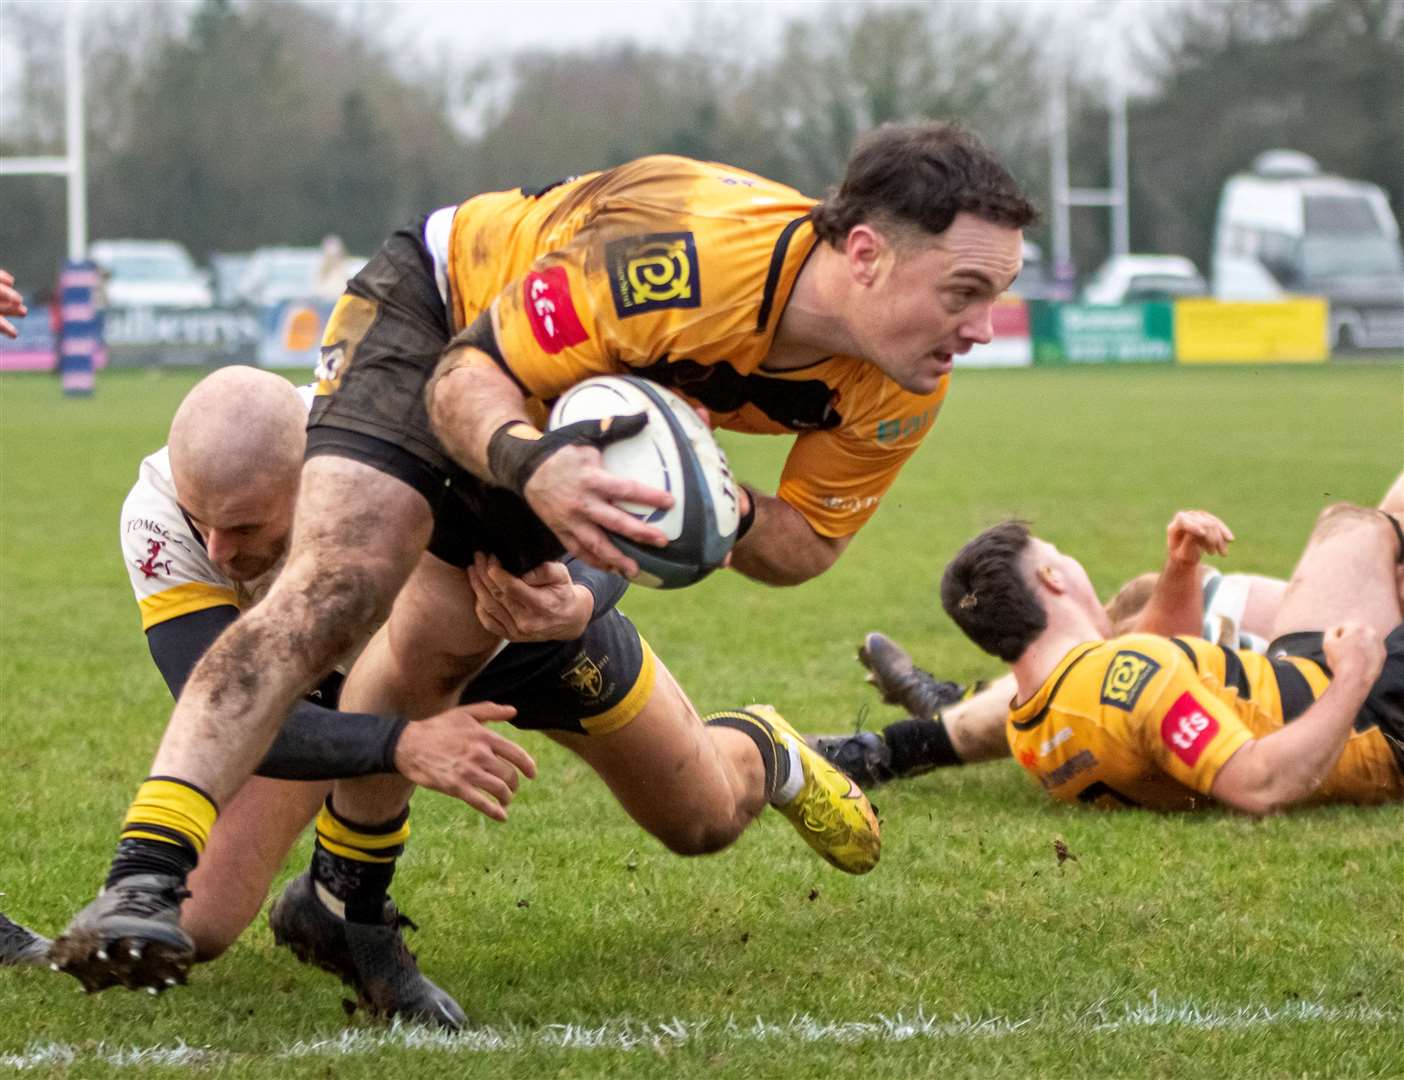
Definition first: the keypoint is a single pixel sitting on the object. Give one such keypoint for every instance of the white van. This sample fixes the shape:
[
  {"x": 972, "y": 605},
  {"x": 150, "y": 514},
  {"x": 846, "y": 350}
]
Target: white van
[{"x": 1287, "y": 227}]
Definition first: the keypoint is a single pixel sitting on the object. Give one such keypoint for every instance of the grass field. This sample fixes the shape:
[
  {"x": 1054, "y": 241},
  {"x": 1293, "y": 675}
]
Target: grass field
[{"x": 1194, "y": 946}]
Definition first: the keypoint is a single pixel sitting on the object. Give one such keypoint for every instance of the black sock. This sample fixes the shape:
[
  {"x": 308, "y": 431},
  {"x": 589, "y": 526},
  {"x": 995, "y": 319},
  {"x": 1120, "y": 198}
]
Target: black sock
[
  {"x": 759, "y": 732},
  {"x": 919, "y": 745},
  {"x": 356, "y": 863},
  {"x": 138, "y": 855}
]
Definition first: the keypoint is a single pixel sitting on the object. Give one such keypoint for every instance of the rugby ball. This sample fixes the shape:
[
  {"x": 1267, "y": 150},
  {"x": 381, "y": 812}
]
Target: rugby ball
[{"x": 674, "y": 452}]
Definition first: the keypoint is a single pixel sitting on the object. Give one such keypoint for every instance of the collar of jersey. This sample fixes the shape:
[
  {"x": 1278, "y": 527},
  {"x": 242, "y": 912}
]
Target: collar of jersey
[{"x": 1021, "y": 719}]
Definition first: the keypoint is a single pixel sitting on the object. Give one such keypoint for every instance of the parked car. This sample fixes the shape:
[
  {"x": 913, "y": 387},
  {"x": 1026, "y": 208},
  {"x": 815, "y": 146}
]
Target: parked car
[
  {"x": 275, "y": 274},
  {"x": 1130, "y": 279},
  {"x": 150, "y": 273},
  {"x": 1037, "y": 281}
]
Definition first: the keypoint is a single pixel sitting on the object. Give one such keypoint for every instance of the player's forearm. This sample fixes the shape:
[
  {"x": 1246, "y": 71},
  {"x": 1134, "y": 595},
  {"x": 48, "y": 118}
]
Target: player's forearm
[
  {"x": 781, "y": 547},
  {"x": 1281, "y": 769},
  {"x": 1176, "y": 605},
  {"x": 322, "y": 744},
  {"x": 469, "y": 398}
]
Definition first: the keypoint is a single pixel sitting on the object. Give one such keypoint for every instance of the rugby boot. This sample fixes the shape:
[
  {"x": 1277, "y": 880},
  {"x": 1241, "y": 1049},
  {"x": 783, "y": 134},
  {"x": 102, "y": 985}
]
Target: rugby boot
[
  {"x": 864, "y": 755},
  {"x": 19, "y": 945},
  {"x": 129, "y": 935},
  {"x": 371, "y": 958},
  {"x": 901, "y": 682},
  {"x": 829, "y": 811}
]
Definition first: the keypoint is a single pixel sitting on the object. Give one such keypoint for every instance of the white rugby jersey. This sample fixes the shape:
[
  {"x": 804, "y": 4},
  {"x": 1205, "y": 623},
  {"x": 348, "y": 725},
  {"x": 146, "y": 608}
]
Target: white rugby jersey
[{"x": 170, "y": 572}]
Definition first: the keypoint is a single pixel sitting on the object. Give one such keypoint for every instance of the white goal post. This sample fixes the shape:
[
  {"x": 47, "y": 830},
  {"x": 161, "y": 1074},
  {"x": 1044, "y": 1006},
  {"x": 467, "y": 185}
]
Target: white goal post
[{"x": 73, "y": 164}]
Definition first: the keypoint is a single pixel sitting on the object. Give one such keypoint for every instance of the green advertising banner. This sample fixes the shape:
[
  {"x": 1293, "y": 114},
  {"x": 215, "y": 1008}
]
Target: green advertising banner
[{"x": 1098, "y": 334}]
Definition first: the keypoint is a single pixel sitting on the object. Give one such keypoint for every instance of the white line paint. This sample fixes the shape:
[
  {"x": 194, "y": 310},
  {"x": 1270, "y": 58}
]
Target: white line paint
[{"x": 1099, "y": 1018}]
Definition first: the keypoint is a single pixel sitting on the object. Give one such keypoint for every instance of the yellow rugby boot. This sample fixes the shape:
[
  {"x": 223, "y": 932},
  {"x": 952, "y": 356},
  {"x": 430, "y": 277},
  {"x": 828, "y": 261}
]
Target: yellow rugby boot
[{"x": 822, "y": 802}]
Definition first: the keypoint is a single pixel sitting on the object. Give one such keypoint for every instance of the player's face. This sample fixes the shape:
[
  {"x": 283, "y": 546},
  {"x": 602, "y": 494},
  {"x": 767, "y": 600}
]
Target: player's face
[
  {"x": 931, "y": 299},
  {"x": 1076, "y": 585},
  {"x": 245, "y": 532}
]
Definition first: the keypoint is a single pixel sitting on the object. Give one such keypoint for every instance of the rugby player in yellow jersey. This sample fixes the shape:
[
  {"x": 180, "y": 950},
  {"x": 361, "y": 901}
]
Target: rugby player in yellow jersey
[
  {"x": 833, "y": 323},
  {"x": 1175, "y": 723},
  {"x": 203, "y": 532}
]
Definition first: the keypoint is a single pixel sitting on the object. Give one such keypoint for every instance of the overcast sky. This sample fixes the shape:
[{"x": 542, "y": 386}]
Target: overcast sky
[{"x": 476, "y": 30}]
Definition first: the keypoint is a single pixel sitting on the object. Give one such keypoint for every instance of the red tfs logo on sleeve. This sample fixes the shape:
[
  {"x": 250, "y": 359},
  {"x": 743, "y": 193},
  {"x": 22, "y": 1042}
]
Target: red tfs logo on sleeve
[
  {"x": 546, "y": 295},
  {"x": 1187, "y": 729}
]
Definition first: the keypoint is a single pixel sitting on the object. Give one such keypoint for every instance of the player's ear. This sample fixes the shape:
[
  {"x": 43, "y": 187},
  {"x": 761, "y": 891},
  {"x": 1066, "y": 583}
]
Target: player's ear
[
  {"x": 1051, "y": 578},
  {"x": 864, "y": 249}
]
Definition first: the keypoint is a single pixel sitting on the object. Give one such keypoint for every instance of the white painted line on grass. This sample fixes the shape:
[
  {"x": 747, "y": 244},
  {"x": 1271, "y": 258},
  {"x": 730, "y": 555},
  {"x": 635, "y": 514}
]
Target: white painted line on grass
[{"x": 1099, "y": 1018}]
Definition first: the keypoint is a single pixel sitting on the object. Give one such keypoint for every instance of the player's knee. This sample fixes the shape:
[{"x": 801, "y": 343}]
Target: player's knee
[
  {"x": 698, "y": 836},
  {"x": 212, "y": 937},
  {"x": 342, "y": 601},
  {"x": 1344, "y": 517}
]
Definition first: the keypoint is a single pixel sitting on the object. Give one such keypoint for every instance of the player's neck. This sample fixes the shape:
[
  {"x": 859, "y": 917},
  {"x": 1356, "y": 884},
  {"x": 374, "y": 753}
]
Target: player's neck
[
  {"x": 1065, "y": 631},
  {"x": 812, "y": 326}
]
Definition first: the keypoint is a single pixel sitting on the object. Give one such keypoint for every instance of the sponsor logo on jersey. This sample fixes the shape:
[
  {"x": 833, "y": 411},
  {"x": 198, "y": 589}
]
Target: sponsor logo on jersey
[
  {"x": 1054, "y": 741},
  {"x": 657, "y": 270},
  {"x": 1126, "y": 678},
  {"x": 546, "y": 297},
  {"x": 1075, "y": 765},
  {"x": 153, "y": 566},
  {"x": 150, "y": 525},
  {"x": 585, "y": 678},
  {"x": 1187, "y": 729},
  {"x": 904, "y": 427},
  {"x": 850, "y": 504}
]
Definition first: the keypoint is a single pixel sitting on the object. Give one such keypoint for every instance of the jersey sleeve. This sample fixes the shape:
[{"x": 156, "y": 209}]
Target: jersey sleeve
[
  {"x": 1187, "y": 730},
  {"x": 169, "y": 572},
  {"x": 837, "y": 478}
]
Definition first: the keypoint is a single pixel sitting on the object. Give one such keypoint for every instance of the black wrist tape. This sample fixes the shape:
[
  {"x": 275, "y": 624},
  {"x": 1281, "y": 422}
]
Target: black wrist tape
[
  {"x": 749, "y": 517},
  {"x": 512, "y": 460}
]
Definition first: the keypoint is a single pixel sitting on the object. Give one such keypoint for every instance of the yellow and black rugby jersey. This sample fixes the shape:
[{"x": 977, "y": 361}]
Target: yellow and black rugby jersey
[
  {"x": 170, "y": 571},
  {"x": 679, "y": 270},
  {"x": 1144, "y": 720}
]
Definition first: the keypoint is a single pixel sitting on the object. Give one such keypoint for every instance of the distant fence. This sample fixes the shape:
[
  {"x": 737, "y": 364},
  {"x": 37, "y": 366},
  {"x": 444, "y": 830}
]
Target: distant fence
[
  {"x": 1038, "y": 333},
  {"x": 1197, "y": 330}
]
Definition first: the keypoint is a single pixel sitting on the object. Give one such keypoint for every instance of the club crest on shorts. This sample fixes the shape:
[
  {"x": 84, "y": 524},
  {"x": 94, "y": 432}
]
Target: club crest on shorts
[
  {"x": 1126, "y": 678},
  {"x": 656, "y": 270},
  {"x": 585, "y": 678}
]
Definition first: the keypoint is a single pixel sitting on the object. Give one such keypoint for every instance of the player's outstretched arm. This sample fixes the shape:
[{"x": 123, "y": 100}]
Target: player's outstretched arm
[
  {"x": 1270, "y": 774},
  {"x": 1176, "y": 605},
  {"x": 781, "y": 547},
  {"x": 451, "y": 753}
]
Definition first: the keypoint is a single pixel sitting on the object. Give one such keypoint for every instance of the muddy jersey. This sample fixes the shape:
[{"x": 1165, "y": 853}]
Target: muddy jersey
[
  {"x": 679, "y": 270},
  {"x": 170, "y": 571},
  {"x": 1144, "y": 720}
]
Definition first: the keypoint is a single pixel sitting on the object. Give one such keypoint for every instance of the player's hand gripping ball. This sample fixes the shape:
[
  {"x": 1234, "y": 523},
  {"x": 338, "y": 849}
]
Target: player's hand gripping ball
[{"x": 674, "y": 452}]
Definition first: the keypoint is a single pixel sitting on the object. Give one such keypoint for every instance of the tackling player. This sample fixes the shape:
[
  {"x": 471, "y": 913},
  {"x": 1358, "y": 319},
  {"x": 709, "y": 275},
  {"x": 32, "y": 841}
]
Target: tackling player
[
  {"x": 835, "y": 323},
  {"x": 203, "y": 534}
]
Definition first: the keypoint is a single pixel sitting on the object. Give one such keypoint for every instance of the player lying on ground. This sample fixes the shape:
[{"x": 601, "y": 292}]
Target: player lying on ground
[
  {"x": 203, "y": 533},
  {"x": 950, "y": 725},
  {"x": 835, "y": 324},
  {"x": 1175, "y": 723}
]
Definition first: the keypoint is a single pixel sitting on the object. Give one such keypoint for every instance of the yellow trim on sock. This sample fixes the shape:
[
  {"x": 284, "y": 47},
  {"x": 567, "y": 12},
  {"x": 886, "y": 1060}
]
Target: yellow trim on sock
[
  {"x": 633, "y": 702},
  {"x": 350, "y": 843},
  {"x": 174, "y": 806}
]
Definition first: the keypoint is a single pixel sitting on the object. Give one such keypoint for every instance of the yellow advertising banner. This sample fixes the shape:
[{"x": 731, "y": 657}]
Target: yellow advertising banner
[{"x": 1211, "y": 331}]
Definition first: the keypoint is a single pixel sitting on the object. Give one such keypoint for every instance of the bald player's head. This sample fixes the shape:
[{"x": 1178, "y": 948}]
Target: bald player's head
[{"x": 236, "y": 448}]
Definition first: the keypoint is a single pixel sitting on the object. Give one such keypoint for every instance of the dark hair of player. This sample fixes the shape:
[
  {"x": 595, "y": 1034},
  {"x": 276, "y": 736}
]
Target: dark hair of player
[
  {"x": 984, "y": 590},
  {"x": 921, "y": 174}
]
